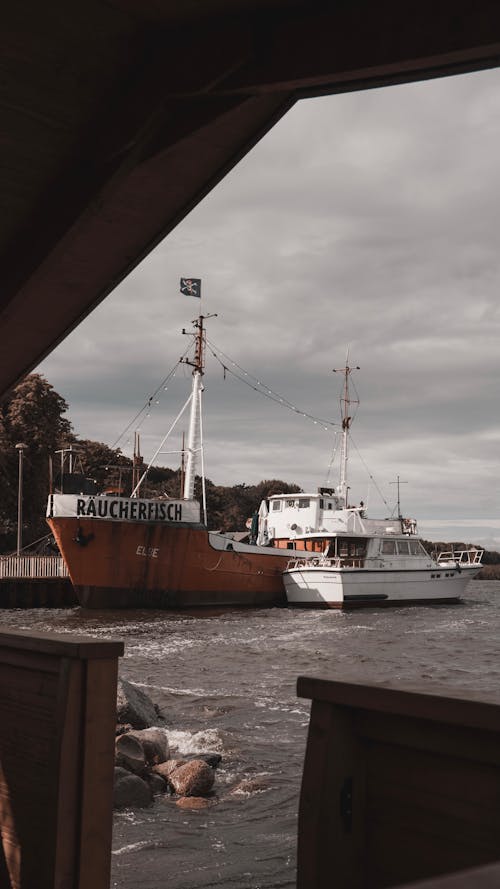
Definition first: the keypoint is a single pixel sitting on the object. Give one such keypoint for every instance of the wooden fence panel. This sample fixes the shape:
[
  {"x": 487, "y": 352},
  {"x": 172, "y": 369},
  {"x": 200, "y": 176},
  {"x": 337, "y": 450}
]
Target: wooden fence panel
[
  {"x": 399, "y": 785},
  {"x": 57, "y": 728}
]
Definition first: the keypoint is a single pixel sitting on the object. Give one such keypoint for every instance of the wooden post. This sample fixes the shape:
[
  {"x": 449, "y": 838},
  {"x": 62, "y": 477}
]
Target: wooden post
[
  {"x": 399, "y": 785},
  {"x": 57, "y": 730}
]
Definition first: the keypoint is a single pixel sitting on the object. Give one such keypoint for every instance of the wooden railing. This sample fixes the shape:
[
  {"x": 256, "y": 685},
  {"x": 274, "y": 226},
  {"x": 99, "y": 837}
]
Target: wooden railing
[{"x": 32, "y": 567}]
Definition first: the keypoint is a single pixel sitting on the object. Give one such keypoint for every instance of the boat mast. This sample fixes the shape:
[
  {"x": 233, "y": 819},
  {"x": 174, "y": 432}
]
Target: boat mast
[
  {"x": 193, "y": 437},
  {"x": 345, "y": 403},
  {"x": 194, "y": 444}
]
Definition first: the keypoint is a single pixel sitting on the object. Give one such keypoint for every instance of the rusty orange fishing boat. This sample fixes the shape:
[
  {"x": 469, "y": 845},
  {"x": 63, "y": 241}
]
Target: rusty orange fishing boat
[{"x": 142, "y": 552}]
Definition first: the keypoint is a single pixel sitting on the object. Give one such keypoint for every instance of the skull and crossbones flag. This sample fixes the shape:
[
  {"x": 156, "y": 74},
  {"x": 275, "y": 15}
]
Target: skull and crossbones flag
[{"x": 191, "y": 286}]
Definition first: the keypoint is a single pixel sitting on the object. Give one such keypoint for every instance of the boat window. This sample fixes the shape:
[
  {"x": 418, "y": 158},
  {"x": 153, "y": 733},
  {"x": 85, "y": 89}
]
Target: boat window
[
  {"x": 403, "y": 547},
  {"x": 415, "y": 547},
  {"x": 321, "y": 504},
  {"x": 290, "y": 502},
  {"x": 388, "y": 547},
  {"x": 290, "y": 545},
  {"x": 303, "y": 504},
  {"x": 276, "y": 505},
  {"x": 351, "y": 549}
]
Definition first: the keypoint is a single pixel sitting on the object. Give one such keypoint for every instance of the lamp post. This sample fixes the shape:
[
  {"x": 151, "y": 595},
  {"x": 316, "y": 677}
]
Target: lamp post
[{"x": 20, "y": 449}]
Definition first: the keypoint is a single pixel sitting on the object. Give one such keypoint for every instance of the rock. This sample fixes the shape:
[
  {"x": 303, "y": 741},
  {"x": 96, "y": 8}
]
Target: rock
[
  {"x": 157, "y": 784},
  {"x": 250, "y": 785},
  {"x": 195, "y": 802},
  {"x": 119, "y": 773},
  {"x": 134, "y": 706},
  {"x": 212, "y": 759},
  {"x": 194, "y": 778},
  {"x": 154, "y": 743},
  {"x": 129, "y": 753},
  {"x": 165, "y": 769},
  {"x": 121, "y": 729},
  {"x": 131, "y": 792}
]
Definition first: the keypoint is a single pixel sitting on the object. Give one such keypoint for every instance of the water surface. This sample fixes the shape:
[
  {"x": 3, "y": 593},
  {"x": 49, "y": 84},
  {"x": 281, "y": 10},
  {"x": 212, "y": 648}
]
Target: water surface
[{"x": 226, "y": 682}]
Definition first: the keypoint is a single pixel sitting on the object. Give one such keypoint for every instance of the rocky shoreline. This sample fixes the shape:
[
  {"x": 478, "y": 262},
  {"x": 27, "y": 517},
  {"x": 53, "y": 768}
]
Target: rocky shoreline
[{"x": 144, "y": 768}]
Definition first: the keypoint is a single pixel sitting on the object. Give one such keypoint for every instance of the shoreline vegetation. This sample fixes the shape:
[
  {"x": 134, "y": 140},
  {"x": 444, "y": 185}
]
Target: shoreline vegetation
[{"x": 489, "y": 572}]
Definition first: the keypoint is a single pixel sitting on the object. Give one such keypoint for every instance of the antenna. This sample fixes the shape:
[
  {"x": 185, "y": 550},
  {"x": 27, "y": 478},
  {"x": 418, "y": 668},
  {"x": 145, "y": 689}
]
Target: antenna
[
  {"x": 398, "y": 482},
  {"x": 345, "y": 402}
]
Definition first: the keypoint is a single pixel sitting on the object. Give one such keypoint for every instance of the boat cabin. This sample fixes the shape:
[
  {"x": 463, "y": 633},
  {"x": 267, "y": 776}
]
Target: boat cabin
[
  {"x": 286, "y": 518},
  {"x": 319, "y": 523}
]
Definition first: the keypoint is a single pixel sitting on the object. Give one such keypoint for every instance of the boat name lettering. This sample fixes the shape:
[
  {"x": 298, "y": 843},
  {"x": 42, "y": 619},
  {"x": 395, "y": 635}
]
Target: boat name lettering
[
  {"x": 150, "y": 551},
  {"x": 105, "y": 507}
]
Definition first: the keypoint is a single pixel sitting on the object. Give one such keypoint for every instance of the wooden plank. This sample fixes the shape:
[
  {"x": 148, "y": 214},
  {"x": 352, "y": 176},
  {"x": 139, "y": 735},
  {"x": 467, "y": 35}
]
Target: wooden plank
[
  {"x": 98, "y": 734},
  {"x": 331, "y": 813},
  {"x": 62, "y": 646},
  {"x": 477, "y": 878},
  {"x": 435, "y": 704},
  {"x": 427, "y": 814},
  {"x": 424, "y": 734},
  {"x": 70, "y": 705},
  {"x": 426, "y": 768},
  {"x": 58, "y": 709}
]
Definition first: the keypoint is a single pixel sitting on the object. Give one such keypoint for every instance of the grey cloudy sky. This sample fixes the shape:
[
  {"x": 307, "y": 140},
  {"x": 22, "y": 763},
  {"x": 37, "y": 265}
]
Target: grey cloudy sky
[{"x": 370, "y": 220}]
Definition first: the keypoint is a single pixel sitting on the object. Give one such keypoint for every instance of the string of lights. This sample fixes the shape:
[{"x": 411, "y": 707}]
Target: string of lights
[{"x": 261, "y": 388}]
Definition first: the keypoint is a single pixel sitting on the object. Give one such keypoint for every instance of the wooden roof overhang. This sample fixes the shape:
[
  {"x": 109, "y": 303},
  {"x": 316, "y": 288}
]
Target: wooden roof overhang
[{"x": 119, "y": 116}]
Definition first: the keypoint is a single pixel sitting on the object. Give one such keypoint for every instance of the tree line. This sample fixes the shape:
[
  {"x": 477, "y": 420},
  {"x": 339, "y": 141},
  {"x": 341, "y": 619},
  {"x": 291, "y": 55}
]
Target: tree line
[{"x": 33, "y": 414}]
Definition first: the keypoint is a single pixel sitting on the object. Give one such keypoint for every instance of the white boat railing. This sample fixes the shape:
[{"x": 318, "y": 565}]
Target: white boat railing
[
  {"x": 32, "y": 567},
  {"x": 462, "y": 557},
  {"x": 324, "y": 562}
]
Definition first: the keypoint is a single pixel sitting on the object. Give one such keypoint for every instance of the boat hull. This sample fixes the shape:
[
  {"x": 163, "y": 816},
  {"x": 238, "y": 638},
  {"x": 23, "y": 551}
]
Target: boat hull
[
  {"x": 115, "y": 564},
  {"x": 350, "y": 588}
]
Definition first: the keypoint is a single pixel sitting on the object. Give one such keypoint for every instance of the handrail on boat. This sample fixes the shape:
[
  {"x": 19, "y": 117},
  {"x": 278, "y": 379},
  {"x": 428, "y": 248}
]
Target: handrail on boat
[
  {"x": 460, "y": 557},
  {"x": 324, "y": 562}
]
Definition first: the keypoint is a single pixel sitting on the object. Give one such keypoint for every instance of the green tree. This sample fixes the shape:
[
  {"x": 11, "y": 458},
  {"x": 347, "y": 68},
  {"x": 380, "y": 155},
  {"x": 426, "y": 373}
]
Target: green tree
[{"x": 32, "y": 414}]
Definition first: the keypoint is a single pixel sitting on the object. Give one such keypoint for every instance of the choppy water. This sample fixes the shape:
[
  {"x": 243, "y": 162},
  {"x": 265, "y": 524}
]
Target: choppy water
[{"x": 226, "y": 680}]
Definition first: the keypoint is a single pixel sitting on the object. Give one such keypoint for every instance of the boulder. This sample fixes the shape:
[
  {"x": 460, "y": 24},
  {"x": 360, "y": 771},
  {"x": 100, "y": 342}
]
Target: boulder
[
  {"x": 131, "y": 792},
  {"x": 212, "y": 759},
  {"x": 194, "y": 778},
  {"x": 165, "y": 769},
  {"x": 154, "y": 743},
  {"x": 133, "y": 706},
  {"x": 195, "y": 802},
  {"x": 250, "y": 785},
  {"x": 121, "y": 729},
  {"x": 129, "y": 754},
  {"x": 157, "y": 784}
]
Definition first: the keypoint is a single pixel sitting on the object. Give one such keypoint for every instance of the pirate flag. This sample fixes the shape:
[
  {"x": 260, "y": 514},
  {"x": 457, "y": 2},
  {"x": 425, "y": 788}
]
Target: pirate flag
[{"x": 191, "y": 286}]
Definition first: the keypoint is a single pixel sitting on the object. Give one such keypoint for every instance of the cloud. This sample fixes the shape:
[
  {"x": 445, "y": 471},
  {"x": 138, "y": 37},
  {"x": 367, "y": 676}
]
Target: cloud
[{"x": 367, "y": 219}]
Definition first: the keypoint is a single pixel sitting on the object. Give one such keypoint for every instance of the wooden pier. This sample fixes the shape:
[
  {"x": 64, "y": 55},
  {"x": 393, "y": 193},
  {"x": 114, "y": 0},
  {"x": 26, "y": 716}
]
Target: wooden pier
[{"x": 34, "y": 581}]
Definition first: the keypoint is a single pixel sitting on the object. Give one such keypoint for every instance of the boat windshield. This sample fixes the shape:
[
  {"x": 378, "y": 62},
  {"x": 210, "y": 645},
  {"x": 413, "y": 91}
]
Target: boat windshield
[{"x": 402, "y": 547}]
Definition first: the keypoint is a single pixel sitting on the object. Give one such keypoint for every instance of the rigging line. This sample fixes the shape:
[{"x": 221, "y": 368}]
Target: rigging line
[
  {"x": 370, "y": 476},
  {"x": 332, "y": 459},
  {"x": 247, "y": 374},
  {"x": 278, "y": 400},
  {"x": 151, "y": 397},
  {"x": 153, "y": 458},
  {"x": 273, "y": 396}
]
